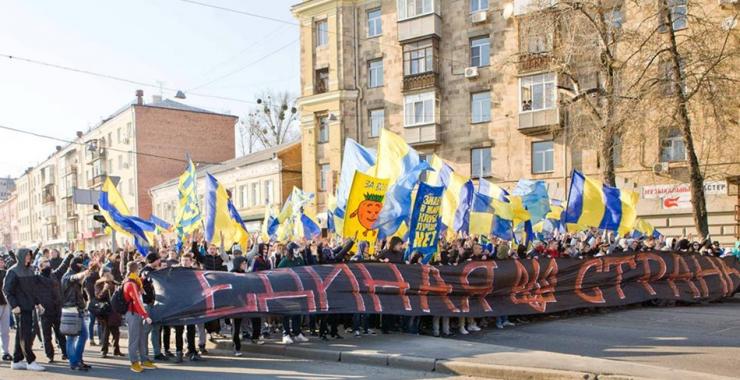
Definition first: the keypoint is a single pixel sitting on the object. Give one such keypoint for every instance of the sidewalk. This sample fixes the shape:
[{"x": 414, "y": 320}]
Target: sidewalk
[{"x": 464, "y": 358}]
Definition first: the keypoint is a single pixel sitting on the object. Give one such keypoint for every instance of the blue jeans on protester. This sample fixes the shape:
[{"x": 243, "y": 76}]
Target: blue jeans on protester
[
  {"x": 90, "y": 325},
  {"x": 76, "y": 346}
]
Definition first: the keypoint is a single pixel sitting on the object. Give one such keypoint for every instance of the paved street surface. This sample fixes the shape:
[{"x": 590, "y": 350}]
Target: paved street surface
[{"x": 222, "y": 368}]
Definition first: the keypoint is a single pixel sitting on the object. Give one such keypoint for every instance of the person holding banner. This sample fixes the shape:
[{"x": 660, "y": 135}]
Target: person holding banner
[{"x": 292, "y": 324}]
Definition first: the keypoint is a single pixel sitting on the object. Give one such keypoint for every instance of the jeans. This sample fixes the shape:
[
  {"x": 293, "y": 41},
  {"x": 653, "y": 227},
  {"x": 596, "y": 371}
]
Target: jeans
[
  {"x": 360, "y": 321},
  {"x": 256, "y": 328},
  {"x": 201, "y": 334},
  {"x": 109, "y": 331},
  {"x": 236, "y": 333},
  {"x": 137, "y": 342},
  {"x": 24, "y": 337},
  {"x": 190, "y": 337},
  {"x": 156, "y": 335},
  {"x": 91, "y": 326},
  {"x": 5, "y": 329},
  {"x": 76, "y": 346}
]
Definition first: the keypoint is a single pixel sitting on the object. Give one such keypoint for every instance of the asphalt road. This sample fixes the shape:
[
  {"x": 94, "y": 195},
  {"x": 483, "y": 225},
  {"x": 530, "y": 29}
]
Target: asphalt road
[
  {"x": 702, "y": 338},
  {"x": 221, "y": 368}
]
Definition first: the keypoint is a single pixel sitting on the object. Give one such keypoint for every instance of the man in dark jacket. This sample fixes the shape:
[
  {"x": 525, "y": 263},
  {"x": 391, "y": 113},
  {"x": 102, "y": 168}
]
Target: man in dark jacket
[
  {"x": 394, "y": 253},
  {"x": 49, "y": 285},
  {"x": 4, "y": 317},
  {"x": 55, "y": 259},
  {"x": 20, "y": 292}
]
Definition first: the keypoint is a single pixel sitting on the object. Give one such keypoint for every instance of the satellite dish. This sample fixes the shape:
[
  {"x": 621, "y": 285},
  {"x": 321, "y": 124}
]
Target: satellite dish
[{"x": 508, "y": 11}]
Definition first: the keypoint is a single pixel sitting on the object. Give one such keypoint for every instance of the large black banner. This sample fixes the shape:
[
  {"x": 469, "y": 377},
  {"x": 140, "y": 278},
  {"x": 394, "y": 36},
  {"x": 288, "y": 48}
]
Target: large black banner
[{"x": 476, "y": 288}]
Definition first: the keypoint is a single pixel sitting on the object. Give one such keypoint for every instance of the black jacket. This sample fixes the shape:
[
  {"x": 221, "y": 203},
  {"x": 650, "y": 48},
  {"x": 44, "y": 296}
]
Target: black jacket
[
  {"x": 49, "y": 287},
  {"x": 208, "y": 262},
  {"x": 392, "y": 256},
  {"x": 19, "y": 285},
  {"x": 3, "y": 301},
  {"x": 72, "y": 293},
  {"x": 147, "y": 295}
]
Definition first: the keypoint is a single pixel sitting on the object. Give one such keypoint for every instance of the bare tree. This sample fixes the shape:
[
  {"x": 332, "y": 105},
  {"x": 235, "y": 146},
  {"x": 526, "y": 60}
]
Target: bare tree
[
  {"x": 692, "y": 71},
  {"x": 272, "y": 122}
]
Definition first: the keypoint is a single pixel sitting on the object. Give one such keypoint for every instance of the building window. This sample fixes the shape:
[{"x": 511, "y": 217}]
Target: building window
[
  {"x": 419, "y": 109},
  {"x": 539, "y": 43},
  {"x": 413, "y": 8},
  {"x": 480, "y": 107},
  {"x": 375, "y": 71},
  {"x": 324, "y": 177},
  {"x": 617, "y": 150},
  {"x": 131, "y": 189},
  {"x": 418, "y": 58},
  {"x": 377, "y": 121},
  {"x": 118, "y": 135},
  {"x": 672, "y": 146},
  {"x": 480, "y": 51},
  {"x": 243, "y": 197},
  {"x": 679, "y": 16},
  {"x": 269, "y": 191},
  {"x": 374, "y": 23},
  {"x": 480, "y": 162},
  {"x": 537, "y": 92},
  {"x": 669, "y": 77},
  {"x": 255, "y": 194},
  {"x": 478, "y": 5},
  {"x": 120, "y": 161},
  {"x": 128, "y": 130},
  {"x": 323, "y": 129},
  {"x": 322, "y": 80},
  {"x": 542, "y": 157},
  {"x": 322, "y": 33}
]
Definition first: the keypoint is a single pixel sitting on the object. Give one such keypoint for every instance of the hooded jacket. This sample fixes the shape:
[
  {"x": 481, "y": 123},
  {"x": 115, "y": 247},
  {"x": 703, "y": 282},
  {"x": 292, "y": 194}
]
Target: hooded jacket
[
  {"x": 19, "y": 284},
  {"x": 72, "y": 285},
  {"x": 49, "y": 287},
  {"x": 238, "y": 261}
]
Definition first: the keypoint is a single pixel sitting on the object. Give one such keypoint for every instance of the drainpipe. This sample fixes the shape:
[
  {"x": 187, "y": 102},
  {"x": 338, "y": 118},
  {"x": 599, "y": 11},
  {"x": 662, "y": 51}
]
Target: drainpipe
[{"x": 360, "y": 95}]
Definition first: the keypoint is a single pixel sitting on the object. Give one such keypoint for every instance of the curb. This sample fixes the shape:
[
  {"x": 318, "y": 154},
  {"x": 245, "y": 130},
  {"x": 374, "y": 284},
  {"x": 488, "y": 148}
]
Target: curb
[{"x": 415, "y": 363}]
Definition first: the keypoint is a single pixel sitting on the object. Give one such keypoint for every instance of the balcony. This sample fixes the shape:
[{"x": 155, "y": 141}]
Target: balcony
[
  {"x": 96, "y": 181},
  {"x": 537, "y": 122},
  {"x": 47, "y": 194},
  {"x": 420, "y": 81},
  {"x": 419, "y": 27},
  {"x": 95, "y": 150},
  {"x": 532, "y": 62},
  {"x": 428, "y": 134},
  {"x": 71, "y": 209}
]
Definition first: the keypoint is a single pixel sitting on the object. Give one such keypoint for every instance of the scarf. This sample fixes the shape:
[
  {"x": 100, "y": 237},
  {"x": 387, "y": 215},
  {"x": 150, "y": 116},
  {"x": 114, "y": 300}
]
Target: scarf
[{"x": 136, "y": 279}]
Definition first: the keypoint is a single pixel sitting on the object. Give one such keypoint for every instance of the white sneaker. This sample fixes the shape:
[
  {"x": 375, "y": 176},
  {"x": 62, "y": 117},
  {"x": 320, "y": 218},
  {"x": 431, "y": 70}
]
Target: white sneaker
[
  {"x": 301, "y": 339},
  {"x": 287, "y": 339},
  {"x": 499, "y": 326},
  {"x": 237, "y": 353},
  {"x": 463, "y": 331},
  {"x": 507, "y": 323},
  {"x": 357, "y": 334},
  {"x": 21, "y": 365},
  {"x": 35, "y": 367},
  {"x": 473, "y": 328}
]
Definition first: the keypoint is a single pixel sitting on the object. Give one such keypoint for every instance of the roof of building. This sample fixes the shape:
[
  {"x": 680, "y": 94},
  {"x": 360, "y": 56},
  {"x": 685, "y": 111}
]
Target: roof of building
[
  {"x": 161, "y": 103},
  {"x": 253, "y": 158}
]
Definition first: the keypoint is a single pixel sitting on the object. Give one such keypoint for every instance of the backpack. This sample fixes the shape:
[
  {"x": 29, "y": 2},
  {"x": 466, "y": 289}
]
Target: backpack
[{"x": 118, "y": 302}]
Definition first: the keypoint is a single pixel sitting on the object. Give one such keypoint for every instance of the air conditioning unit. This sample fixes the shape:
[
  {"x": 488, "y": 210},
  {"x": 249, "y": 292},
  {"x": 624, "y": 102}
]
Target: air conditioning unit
[
  {"x": 471, "y": 72},
  {"x": 478, "y": 17},
  {"x": 660, "y": 168}
]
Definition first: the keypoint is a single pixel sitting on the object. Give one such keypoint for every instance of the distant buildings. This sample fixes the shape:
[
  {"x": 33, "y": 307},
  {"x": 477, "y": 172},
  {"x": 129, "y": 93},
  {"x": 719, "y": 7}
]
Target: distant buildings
[
  {"x": 7, "y": 186},
  {"x": 140, "y": 145},
  {"x": 254, "y": 181}
]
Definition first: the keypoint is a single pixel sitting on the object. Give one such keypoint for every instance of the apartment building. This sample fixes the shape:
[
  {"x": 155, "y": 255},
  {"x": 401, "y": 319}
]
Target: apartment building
[
  {"x": 8, "y": 223},
  {"x": 255, "y": 181},
  {"x": 463, "y": 80},
  {"x": 138, "y": 146}
]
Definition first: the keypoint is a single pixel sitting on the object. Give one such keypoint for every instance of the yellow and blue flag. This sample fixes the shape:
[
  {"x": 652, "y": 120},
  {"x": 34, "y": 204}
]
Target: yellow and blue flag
[
  {"x": 491, "y": 212},
  {"x": 291, "y": 211},
  {"x": 643, "y": 228},
  {"x": 221, "y": 218},
  {"x": 457, "y": 197},
  {"x": 355, "y": 158},
  {"x": 593, "y": 204},
  {"x": 189, "y": 217},
  {"x": 534, "y": 198},
  {"x": 117, "y": 215}
]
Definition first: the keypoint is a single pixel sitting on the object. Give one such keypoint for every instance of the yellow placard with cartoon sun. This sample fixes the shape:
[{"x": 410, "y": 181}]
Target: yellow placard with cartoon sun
[{"x": 364, "y": 203}]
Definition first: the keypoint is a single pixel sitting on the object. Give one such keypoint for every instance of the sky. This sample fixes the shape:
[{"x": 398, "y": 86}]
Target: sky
[{"x": 181, "y": 44}]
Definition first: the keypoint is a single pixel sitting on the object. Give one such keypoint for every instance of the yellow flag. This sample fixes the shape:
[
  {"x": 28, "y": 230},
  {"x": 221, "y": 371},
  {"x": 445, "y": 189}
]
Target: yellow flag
[{"x": 364, "y": 203}]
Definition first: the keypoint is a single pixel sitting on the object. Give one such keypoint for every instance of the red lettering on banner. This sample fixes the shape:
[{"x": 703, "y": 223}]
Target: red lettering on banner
[
  {"x": 209, "y": 291},
  {"x": 678, "y": 264},
  {"x": 270, "y": 294},
  {"x": 598, "y": 296},
  {"x": 440, "y": 289},
  {"x": 480, "y": 291},
  {"x": 372, "y": 285},
  {"x": 646, "y": 258},
  {"x": 323, "y": 284},
  {"x": 701, "y": 273},
  {"x": 618, "y": 261},
  {"x": 537, "y": 292}
]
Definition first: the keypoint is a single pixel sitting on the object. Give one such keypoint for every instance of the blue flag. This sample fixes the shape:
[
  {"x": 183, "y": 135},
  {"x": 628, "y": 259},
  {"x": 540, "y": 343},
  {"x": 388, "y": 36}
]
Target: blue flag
[{"x": 425, "y": 221}]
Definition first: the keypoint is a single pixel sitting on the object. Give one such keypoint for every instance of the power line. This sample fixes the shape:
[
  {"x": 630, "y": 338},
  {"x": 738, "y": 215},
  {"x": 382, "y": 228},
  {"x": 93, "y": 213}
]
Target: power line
[
  {"x": 39, "y": 135},
  {"x": 245, "y": 66},
  {"x": 117, "y": 78}
]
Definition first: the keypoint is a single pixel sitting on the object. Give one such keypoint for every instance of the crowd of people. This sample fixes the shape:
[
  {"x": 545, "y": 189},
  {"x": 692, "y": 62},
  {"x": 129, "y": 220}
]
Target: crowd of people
[{"x": 69, "y": 301}]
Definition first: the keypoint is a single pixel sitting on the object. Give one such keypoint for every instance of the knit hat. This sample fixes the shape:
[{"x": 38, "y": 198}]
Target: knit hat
[{"x": 152, "y": 258}]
